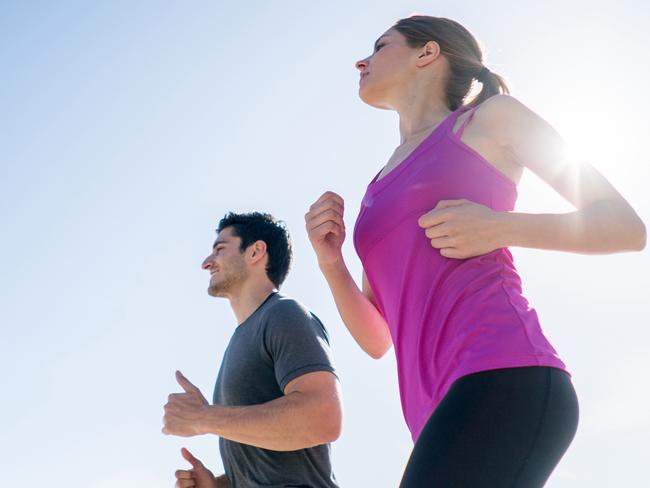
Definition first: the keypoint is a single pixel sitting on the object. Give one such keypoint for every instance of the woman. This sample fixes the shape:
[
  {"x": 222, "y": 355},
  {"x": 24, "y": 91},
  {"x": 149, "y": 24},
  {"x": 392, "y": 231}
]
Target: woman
[{"x": 487, "y": 399}]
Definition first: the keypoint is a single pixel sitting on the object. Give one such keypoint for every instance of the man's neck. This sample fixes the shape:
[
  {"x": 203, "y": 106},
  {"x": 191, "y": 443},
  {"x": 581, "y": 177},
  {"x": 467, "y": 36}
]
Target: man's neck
[{"x": 249, "y": 299}]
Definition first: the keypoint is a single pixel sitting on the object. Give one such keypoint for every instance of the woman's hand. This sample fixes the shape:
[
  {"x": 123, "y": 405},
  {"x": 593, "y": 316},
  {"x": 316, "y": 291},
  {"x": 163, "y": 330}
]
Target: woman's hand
[
  {"x": 462, "y": 229},
  {"x": 326, "y": 229}
]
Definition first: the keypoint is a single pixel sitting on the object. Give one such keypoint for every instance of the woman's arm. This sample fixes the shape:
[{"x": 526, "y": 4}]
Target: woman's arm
[
  {"x": 604, "y": 222},
  {"x": 357, "y": 311},
  {"x": 326, "y": 230}
]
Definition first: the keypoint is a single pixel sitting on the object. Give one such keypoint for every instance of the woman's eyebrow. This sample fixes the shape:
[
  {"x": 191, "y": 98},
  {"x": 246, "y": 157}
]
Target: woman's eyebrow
[{"x": 377, "y": 41}]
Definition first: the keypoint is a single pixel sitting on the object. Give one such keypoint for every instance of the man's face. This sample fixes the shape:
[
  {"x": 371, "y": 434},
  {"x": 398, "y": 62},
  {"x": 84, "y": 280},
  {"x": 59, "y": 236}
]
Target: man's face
[{"x": 226, "y": 264}]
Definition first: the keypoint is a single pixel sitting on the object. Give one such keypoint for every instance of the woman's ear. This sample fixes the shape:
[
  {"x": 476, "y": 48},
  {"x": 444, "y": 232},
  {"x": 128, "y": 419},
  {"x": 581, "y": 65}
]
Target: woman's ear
[{"x": 428, "y": 54}]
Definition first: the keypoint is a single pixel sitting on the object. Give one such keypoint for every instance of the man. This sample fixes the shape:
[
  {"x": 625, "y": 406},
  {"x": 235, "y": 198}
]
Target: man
[{"x": 277, "y": 403}]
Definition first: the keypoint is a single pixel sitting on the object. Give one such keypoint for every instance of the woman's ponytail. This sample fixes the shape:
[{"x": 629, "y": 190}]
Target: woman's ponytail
[{"x": 463, "y": 54}]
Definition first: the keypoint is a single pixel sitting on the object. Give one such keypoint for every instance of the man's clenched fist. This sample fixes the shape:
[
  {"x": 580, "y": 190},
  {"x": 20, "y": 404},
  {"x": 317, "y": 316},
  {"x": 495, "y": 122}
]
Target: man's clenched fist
[{"x": 185, "y": 412}]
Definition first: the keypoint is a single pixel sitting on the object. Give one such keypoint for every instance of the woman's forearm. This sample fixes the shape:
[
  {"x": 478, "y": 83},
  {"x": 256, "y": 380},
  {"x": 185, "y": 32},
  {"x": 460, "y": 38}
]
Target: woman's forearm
[
  {"x": 359, "y": 314},
  {"x": 600, "y": 228}
]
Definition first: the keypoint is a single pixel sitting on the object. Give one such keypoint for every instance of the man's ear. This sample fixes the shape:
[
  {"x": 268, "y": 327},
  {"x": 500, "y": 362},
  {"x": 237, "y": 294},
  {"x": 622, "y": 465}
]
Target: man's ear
[
  {"x": 256, "y": 251},
  {"x": 428, "y": 54}
]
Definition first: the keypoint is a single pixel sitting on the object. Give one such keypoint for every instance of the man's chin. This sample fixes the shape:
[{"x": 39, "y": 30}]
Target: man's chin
[{"x": 213, "y": 291}]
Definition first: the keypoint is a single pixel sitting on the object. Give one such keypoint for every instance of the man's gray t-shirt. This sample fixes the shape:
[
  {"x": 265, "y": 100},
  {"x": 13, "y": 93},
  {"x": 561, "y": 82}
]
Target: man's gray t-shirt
[{"x": 279, "y": 342}]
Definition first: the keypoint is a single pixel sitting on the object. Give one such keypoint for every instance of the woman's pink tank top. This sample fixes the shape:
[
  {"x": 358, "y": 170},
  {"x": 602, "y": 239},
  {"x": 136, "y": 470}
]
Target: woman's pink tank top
[{"x": 447, "y": 317}]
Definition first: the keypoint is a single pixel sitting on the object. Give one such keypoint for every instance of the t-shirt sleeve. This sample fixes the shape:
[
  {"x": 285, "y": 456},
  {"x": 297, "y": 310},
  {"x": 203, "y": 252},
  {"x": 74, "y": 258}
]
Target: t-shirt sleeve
[{"x": 296, "y": 342}]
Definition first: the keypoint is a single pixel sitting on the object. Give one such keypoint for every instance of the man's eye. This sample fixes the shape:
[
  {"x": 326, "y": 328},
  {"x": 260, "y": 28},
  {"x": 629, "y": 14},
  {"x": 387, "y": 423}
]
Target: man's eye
[{"x": 378, "y": 47}]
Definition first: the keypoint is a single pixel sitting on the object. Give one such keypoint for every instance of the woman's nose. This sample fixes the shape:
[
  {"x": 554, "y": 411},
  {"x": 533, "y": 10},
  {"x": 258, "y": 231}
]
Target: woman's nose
[{"x": 362, "y": 64}]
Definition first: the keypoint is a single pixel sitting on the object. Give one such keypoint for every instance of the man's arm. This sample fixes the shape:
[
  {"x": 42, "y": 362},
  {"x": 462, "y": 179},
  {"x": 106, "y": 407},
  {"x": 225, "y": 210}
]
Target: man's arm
[
  {"x": 222, "y": 481},
  {"x": 308, "y": 414}
]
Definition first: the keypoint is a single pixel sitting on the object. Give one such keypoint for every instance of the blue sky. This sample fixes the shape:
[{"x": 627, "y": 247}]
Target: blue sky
[{"x": 128, "y": 129}]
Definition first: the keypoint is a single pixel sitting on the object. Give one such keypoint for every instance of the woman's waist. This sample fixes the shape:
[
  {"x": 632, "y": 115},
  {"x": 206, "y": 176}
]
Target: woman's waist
[
  {"x": 485, "y": 311},
  {"x": 410, "y": 283}
]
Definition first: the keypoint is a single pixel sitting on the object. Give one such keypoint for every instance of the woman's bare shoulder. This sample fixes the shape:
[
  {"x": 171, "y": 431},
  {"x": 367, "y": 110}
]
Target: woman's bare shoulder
[
  {"x": 500, "y": 107},
  {"x": 505, "y": 118}
]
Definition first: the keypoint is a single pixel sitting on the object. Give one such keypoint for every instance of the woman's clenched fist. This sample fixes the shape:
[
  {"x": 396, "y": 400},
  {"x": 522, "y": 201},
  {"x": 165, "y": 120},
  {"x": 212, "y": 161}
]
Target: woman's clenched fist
[{"x": 326, "y": 229}]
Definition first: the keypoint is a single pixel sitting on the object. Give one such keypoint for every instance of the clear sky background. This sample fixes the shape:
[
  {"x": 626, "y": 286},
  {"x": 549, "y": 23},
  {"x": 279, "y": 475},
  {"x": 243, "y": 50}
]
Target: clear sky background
[{"x": 128, "y": 129}]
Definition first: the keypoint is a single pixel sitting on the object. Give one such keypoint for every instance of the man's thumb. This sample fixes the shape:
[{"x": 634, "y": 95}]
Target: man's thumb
[
  {"x": 191, "y": 459},
  {"x": 186, "y": 384}
]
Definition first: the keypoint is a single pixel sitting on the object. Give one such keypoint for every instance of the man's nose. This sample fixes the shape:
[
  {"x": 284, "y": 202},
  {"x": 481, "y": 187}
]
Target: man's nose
[{"x": 207, "y": 263}]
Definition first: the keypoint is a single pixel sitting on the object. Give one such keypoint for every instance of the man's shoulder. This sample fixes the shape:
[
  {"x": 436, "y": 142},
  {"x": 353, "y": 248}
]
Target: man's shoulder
[
  {"x": 285, "y": 311},
  {"x": 284, "y": 304}
]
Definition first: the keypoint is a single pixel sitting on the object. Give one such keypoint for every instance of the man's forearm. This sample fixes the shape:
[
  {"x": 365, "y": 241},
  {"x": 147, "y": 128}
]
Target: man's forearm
[
  {"x": 291, "y": 422},
  {"x": 222, "y": 481}
]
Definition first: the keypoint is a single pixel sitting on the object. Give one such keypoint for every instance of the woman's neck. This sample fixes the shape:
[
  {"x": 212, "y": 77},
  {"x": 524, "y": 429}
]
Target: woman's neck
[
  {"x": 420, "y": 119},
  {"x": 422, "y": 108}
]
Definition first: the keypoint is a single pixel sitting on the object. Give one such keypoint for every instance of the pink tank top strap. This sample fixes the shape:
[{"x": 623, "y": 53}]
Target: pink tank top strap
[
  {"x": 448, "y": 124},
  {"x": 471, "y": 113}
]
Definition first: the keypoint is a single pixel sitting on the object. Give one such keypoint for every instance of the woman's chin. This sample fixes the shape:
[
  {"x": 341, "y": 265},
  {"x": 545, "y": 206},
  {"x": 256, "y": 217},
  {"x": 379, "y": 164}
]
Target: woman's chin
[{"x": 374, "y": 101}]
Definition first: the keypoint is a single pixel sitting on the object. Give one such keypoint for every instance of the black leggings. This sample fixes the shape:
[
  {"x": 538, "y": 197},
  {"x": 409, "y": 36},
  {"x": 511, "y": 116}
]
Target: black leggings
[{"x": 503, "y": 428}]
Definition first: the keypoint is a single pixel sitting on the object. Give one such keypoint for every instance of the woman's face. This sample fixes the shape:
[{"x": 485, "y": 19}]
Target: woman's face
[{"x": 385, "y": 73}]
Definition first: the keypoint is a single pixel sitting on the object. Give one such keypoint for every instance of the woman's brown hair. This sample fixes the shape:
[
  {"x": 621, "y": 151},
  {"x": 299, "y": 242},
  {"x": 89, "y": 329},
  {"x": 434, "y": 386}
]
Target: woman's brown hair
[{"x": 463, "y": 54}]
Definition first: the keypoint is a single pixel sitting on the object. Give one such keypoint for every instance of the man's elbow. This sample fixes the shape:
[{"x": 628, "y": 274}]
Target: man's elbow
[
  {"x": 329, "y": 423},
  {"x": 331, "y": 430}
]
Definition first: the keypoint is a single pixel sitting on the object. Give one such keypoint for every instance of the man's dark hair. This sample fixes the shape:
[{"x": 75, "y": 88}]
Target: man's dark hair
[{"x": 258, "y": 226}]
